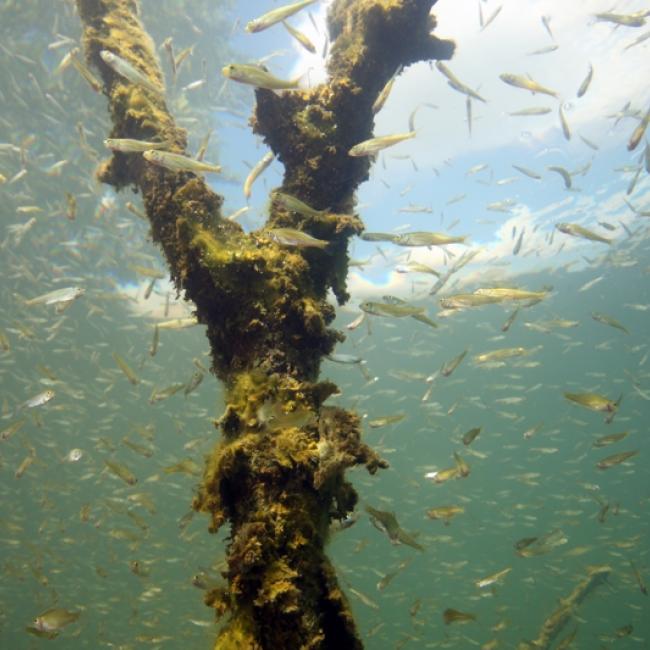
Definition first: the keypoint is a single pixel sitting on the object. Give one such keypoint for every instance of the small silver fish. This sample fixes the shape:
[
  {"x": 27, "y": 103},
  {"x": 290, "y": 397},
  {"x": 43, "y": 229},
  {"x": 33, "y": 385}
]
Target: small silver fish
[
  {"x": 255, "y": 75},
  {"x": 566, "y": 177},
  {"x": 526, "y": 84},
  {"x": 564, "y": 124},
  {"x": 544, "y": 50},
  {"x": 587, "y": 80},
  {"x": 179, "y": 163},
  {"x": 275, "y": 16},
  {"x": 533, "y": 110},
  {"x": 491, "y": 17},
  {"x": 265, "y": 161},
  {"x": 627, "y": 20},
  {"x": 427, "y": 239},
  {"x": 576, "y": 230},
  {"x": 375, "y": 145},
  {"x": 517, "y": 248},
  {"x": 527, "y": 172},
  {"x": 385, "y": 92},
  {"x": 194, "y": 382},
  {"x": 292, "y": 204},
  {"x": 56, "y": 297},
  {"x": 74, "y": 455},
  {"x": 38, "y": 400},
  {"x": 130, "y": 73},
  {"x": 456, "y": 83},
  {"x": 344, "y": 358},
  {"x": 300, "y": 37},
  {"x": 50, "y": 622},
  {"x": 178, "y": 323},
  {"x": 296, "y": 238},
  {"x": 128, "y": 145}
]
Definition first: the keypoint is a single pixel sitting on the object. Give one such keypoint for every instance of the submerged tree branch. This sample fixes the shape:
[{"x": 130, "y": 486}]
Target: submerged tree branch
[{"x": 277, "y": 476}]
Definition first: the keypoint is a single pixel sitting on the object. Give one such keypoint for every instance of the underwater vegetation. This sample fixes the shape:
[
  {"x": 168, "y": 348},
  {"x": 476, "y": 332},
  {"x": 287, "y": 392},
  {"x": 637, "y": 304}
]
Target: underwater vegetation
[
  {"x": 496, "y": 336},
  {"x": 277, "y": 486}
]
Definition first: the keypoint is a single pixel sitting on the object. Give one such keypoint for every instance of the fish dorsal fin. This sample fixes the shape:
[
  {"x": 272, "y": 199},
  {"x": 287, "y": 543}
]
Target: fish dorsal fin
[{"x": 302, "y": 80}]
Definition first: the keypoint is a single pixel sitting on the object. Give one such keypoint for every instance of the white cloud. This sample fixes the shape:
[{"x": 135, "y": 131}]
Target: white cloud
[
  {"x": 620, "y": 76},
  {"x": 482, "y": 55},
  {"x": 495, "y": 262}
]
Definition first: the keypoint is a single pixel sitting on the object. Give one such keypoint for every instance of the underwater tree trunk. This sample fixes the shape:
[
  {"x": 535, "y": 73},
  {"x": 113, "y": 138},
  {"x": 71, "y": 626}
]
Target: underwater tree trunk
[{"x": 278, "y": 482}]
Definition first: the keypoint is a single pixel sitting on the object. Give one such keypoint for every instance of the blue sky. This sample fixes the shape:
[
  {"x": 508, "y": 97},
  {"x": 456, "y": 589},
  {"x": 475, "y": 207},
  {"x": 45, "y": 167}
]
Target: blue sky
[{"x": 433, "y": 168}]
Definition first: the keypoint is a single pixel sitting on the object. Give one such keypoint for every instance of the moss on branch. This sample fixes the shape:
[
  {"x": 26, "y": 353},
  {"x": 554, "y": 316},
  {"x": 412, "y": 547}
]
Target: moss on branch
[{"x": 277, "y": 475}]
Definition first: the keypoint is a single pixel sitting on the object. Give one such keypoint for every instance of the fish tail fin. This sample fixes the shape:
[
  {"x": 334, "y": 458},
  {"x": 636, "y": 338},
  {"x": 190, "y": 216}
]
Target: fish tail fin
[
  {"x": 25, "y": 302},
  {"x": 302, "y": 81},
  {"x": 610, "y": 416},
  {"x": 425, "y": 319},
  {"x": 328, "y": 248}
]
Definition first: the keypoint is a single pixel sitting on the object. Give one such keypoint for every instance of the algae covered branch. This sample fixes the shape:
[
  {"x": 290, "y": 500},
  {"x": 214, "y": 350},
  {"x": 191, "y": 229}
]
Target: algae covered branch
[{"x": 277, "y": 474}]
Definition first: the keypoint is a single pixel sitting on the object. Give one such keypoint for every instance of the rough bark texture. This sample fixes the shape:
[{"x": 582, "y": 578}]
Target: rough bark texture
[{"x": 278, "y": 481}]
